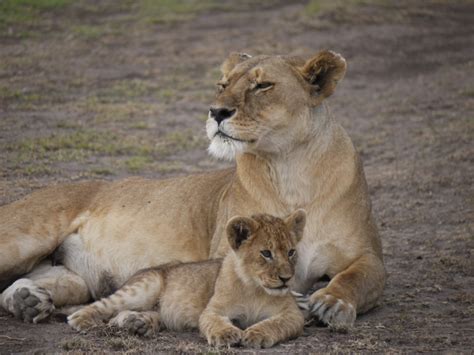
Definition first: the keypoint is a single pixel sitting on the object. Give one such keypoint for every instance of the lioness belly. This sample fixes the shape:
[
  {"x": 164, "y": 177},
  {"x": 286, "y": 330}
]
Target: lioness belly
[
  {"x": 137, "y": 224},
  {"x": 107, "y": 265}
]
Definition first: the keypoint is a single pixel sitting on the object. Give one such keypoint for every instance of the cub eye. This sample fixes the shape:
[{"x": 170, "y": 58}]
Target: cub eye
[
  {"x": 291, "y": 253},
  {"x": 263, "y": 86},
  {"x": 266, "y": 254}
]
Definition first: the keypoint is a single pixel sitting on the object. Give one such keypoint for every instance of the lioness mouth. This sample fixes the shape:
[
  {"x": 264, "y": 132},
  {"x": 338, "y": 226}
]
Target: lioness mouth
[{"x": 224, "y": 135}]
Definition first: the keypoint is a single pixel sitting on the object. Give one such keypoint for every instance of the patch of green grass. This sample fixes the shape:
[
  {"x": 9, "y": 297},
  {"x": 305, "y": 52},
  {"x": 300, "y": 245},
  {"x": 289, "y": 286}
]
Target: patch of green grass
[
  {"x": 10, "y": 94},
  {"x": 26, "y": 12},
  {"x": 468, "y": 92},
  {"x": 316, "y": 7},
  {"x": 78, "y": 145},
  {"x": 139, "y": 125},
  {"x": 101, "y": 171},
  {"x": 21, "y": 100},
  {"x": 131, "y": 88},
  {"x": 67, "y": 125},
  {"x": 37, "y": 170},
  {"x": 88, "y": 32},
  {"x": 106, "y": 111},
  {"x": 168, "y": 167},
  {"x": 181, "y": 140},
  {"x": 166, "y": 95},
  {"x": 137, "y": 163},
  {"x": 166, "y": 11},
  {"x": 126, "y": 89},
  {"x": 119, "y": 150},
  {"x": 97, "y": 142}
]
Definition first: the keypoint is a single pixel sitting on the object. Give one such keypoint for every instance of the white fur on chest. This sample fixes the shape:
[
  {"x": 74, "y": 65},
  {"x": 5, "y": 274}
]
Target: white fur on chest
[
  {"x": 294, "y": 186},
  {"x": 313, "y": 263},
  {"x": 315, "y": 254}
]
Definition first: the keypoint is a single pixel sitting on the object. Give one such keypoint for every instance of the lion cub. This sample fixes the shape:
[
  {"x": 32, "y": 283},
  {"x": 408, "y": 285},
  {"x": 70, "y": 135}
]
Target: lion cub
[{"x": 248, "y": 288}]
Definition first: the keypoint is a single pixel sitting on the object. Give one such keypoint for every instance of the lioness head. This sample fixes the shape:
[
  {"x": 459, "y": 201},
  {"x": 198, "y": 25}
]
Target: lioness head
[
  {"x": 264, "y": 103},
  {"x": 265, "y": 247}
]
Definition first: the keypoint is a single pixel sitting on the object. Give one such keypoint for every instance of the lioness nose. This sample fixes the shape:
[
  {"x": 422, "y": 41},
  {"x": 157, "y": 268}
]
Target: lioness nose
[
  {"x": 220, "y": 114},
  {"x": 284, "y": 279}
]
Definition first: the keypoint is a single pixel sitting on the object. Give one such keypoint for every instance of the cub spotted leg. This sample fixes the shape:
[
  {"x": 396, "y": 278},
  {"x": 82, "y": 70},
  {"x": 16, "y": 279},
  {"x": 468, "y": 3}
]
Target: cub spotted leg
[
  {"x": 140, "y": 293},
  {"x": 138, "y": 323},
  {"x": 286, "y": 325},
  {"x": 219, "y": 330},
  {"x": 34, "y": 297},
  {"x": 353, "y": 291}
]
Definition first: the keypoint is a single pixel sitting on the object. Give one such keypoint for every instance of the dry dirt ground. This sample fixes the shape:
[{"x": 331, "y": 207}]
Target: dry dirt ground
[{"x": 107, "y": 89}]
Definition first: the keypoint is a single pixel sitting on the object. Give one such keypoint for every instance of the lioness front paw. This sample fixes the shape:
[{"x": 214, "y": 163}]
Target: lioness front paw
[
  {"x": 333, "y": 311},
  {"x": 83, "y": 320},
  {"x": 227, "y": 336},
  {"x": 27, "y": 301},
  {"x": 257, "y": 338}
]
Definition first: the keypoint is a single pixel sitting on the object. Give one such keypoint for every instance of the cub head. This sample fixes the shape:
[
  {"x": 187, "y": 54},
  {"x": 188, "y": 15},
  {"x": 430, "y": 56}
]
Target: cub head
[
  {"x": 264, "y": 104},
  {"x": 265, "y": 249}
]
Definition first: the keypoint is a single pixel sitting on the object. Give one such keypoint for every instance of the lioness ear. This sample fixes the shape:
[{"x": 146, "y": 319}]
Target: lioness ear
[
  {"x": 239, "y": 229},
  {"x": 296, "y": 222},
  {"x": 323, "y": 72},
  {"x": 231, "y": 61}
]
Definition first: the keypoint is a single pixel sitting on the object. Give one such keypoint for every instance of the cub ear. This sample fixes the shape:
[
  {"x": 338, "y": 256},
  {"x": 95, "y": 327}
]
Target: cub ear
[
  {"x": 232, "y": 60},
  {"x": 323, "y": 72},
  {"x": 239, "y": 229},
  {"x": 296, "y": 222}
]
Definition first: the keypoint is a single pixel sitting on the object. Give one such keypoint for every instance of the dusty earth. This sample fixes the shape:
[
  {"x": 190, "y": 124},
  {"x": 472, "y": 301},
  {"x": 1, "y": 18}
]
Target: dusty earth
[{"x": 107, "y": 89}]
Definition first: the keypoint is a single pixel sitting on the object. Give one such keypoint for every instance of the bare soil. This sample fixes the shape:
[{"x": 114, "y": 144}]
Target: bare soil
[{"x": 107, "y": 89}]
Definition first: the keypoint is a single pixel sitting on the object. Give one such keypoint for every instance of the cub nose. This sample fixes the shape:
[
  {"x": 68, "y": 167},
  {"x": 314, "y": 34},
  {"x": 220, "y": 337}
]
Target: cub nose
[
  {"x": 220, "y": 114},
  {"x": 284, "y": 279}
]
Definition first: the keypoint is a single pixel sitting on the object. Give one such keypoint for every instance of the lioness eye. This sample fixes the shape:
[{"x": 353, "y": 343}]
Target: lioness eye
[
  {"x": 221, "y": 86},
  {"x": 291, "y": 252},
  {"x": 264, "y": 85},
  {"x": 266, "y": 254}
]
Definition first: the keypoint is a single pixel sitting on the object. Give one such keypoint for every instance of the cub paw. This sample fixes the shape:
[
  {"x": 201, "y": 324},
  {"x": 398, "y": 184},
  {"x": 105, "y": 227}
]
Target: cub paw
[
  {"x": 27, "y": 301},
  {"x": 223, "y": 337},
  {"x": 83, "y": 320},
  {"x": 335, "y": 312},
  {"x": 136, "y": 323},
  {"x": 256, "y": 338}
]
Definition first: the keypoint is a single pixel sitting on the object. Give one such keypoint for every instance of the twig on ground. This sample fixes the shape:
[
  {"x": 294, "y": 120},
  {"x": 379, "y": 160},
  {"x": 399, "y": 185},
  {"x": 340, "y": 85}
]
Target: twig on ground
[{"x": 12, "y": 338}]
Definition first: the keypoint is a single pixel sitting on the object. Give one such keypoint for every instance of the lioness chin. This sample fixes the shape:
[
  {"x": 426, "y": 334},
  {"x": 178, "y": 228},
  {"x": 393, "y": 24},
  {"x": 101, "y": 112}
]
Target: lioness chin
[
  {"x": 270, "y": 115},
  {"x": 249, "y": 287}
]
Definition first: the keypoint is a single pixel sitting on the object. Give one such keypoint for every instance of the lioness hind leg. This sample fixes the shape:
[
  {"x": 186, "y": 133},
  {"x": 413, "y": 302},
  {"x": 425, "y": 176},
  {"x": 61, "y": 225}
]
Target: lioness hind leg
[
  {"x": 140, "y": 293},
  {"x": 34, "y": 297},
  {"x": 138, "y": 323},
  {"x": 34, "y": 226},
  {"x": 26, "y": 301}
]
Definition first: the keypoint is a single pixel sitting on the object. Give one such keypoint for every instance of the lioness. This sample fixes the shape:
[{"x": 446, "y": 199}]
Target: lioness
[
  {"x": 270, "y": 115},
  {"x": 251, "y": 288}
]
